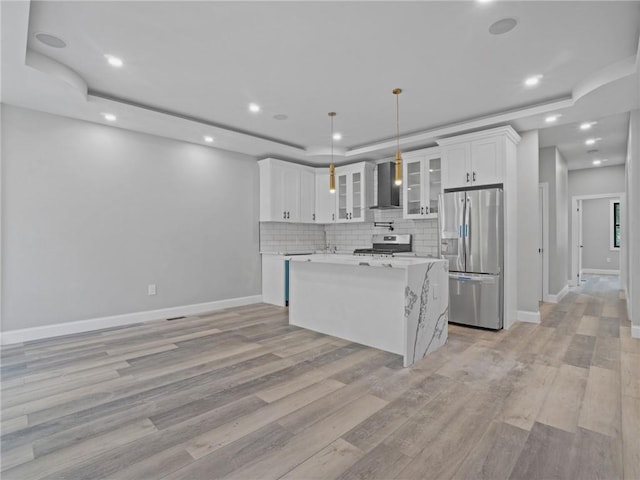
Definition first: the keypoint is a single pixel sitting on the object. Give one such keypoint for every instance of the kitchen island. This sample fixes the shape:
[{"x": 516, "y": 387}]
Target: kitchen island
[{"x": 400, "y": 305}]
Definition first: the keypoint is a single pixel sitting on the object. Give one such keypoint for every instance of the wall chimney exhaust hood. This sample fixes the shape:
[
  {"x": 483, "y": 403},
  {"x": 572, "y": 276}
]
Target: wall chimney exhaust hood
[{"x": 388, "y": 191}]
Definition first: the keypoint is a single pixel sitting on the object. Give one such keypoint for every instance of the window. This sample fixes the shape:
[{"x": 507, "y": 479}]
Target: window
[{"x": 614, "y": 235}]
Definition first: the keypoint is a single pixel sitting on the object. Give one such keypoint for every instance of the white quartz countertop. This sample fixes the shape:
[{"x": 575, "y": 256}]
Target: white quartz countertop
[{"x": 363, "y": 260}]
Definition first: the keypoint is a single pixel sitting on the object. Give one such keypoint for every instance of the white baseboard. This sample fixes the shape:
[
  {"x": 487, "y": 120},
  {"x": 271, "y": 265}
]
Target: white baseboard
[
  {"x": 36, "y": 333},
  {"x": 557, "y": 298},
  {"x": 530, "y": 317},
  {"x": 599, "y": 271},
  {"x": 635, "y": 331}
]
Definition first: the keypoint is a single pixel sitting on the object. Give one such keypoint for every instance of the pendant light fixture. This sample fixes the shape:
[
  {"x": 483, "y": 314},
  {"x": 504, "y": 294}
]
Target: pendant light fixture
[
  {"x": 332, "y": 167},
  {"x": 396, "y": 92}
]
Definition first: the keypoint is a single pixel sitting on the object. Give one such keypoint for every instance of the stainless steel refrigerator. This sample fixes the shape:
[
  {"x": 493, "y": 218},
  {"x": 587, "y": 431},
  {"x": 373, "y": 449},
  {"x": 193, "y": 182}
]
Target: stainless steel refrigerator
[{"x": 471, "y": 237}]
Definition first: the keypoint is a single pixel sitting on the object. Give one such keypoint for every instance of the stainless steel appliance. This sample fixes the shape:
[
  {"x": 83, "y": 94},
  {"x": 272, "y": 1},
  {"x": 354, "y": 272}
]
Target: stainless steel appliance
[
  {"x": 386, "y": 245},
  {"x": 471, "y": 238}
]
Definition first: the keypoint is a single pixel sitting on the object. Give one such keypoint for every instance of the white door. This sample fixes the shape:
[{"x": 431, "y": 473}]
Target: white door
[
  {"x": 307, "y": 196},
  {"x": 580, "y": 244},
  {"x": 325, "y": 200},
  {"x": 455, "y": 166},
  {"x": 291, "y": 195},
  {"x": 486, "y": 167},
  {"x": 541, "y": 242}
]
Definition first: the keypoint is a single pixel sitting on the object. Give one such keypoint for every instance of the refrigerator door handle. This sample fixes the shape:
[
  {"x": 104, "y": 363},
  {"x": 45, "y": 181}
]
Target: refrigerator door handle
[
  {"x": 460, "y": 231},
  {"x": 466, "y": 230}
]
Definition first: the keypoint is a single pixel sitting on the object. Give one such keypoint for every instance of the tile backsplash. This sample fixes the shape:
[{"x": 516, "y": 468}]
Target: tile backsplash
[
  {"x": 295, "y": 237},
  {"x": 291, "y": 237}
]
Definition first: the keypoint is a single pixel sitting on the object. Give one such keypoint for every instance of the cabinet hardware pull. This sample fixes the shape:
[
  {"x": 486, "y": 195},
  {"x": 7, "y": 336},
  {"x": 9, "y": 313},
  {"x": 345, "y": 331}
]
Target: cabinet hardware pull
[
  {"x": 467, "y": 177},
  {"x": 314, "y": 217},
  {"x": 284, "y": 214},
  {"x": 333, "y": 216},
  {"x": 288, "y": 215},
  {"x": 474, "y": 176},
  {"x": 426, "y": 210},
  {"x": 421, "y": 210}
]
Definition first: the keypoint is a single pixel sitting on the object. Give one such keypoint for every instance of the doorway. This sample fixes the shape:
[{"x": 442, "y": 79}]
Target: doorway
[{"x": 577, "y": 233}]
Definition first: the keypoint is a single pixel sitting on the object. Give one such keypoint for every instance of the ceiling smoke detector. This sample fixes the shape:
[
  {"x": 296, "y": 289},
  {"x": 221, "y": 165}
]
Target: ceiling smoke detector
[
  {"x": 50, "y": 40},
  {"x": 503, "y": 26}
]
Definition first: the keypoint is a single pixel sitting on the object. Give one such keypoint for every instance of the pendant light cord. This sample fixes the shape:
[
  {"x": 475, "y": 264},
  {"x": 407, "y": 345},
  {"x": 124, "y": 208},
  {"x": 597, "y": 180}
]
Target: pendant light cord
[{"x": 397, "y": 122}]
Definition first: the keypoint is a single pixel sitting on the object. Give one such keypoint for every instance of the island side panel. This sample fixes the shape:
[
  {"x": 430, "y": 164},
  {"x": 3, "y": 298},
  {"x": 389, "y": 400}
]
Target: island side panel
[
  {"x": 426, "y": 309},
  {"x": 357, "y": 303}
]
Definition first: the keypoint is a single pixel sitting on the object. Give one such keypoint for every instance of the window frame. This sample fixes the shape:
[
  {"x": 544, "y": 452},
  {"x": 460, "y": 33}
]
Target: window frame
[{"x": 612, "y": 223}]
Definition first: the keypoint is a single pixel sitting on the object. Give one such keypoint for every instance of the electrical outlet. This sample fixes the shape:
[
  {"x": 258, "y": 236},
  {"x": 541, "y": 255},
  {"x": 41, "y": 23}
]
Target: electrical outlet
[{"x": 151, "y": 289}]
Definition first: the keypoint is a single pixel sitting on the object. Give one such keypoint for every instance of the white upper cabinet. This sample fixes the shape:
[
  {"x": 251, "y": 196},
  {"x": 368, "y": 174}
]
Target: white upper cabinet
[
  {"x": 325, "y": 200},
  {"x": 421, "y": 185},
  {"x": 354, "y": 192},
  {"x": 287, "y": 192},
  {"x": 476, "y": 158},
  {"x": 307, "y": 195}
]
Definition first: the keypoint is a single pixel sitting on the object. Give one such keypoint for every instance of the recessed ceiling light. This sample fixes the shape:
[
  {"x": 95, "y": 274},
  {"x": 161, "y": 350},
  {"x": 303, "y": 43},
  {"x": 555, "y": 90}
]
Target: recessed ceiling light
[
  {"x": 109, "y": 117},
  {"x": 254, "y": 107},
  {"x": 596, "y": 162},
  {"x": 50, "y": 40},
  {"x": 337, "y": 136},
  {"x": 552, "y": 118},
  {"x": 208, "y": 139},
  {"x": 533, "y": 80},
  {"x": 114, "y": 61},
  {"x": 280, "y": 116},
  {"x": 591, "y": 141},
  {"x": 586, "y": 125},
  {"x": 503, "y": 26}
]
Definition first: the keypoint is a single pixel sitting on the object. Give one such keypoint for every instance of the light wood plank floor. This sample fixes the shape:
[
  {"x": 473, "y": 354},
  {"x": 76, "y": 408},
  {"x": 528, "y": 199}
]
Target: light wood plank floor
[{"x": 241, "y": 394}]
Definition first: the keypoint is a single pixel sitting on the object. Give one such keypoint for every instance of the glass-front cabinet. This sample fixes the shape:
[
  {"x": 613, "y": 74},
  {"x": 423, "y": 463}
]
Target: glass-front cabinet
[
  {"x": 354, "y": 192},
  {"x": 421, "y": 184},
  {"x": 341, "y": 190}
]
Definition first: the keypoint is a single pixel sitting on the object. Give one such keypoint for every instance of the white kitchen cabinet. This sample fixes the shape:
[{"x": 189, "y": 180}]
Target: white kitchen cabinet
[
  {"x": 325, "y": 200},
  {"x": 354, "y": 192},
  {"x": 286, "y": 192},
  {"x": 421, "y": 185},
  {"x": 477, "y": 158},
  {"x": 307, "y": 196}
]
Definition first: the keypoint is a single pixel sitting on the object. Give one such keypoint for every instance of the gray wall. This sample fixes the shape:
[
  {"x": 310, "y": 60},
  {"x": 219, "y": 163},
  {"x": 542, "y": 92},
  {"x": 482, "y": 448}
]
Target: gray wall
[
  {"x": 595, "y": 181},
  {"x": 93, "y": 214},
  {"x": 595, "y": 236},
  {"x": 529, "y": 271},
  {"x": 631, "y": 225},
  {"x": 553, "y": 171}
]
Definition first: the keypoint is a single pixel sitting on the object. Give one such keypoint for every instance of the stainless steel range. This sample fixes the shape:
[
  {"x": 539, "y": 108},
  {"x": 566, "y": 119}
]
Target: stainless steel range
[{"x": 386, "y": 246}]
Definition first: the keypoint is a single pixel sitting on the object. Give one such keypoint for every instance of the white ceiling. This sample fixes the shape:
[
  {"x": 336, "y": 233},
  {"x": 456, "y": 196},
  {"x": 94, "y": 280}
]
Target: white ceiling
[{"x": 191, "y": 68}]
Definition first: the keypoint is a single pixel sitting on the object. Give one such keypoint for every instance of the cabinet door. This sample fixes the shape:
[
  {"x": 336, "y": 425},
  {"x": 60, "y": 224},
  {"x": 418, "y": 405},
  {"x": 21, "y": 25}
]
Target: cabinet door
[
  {"x": 434, "y": 171},
  {"x": 456, "y": 162},
  {"x": 413, "y": 191},
  {"x": 357, "y": 196},
  {"x": 325, "y": 200},
  {"x": 342, "y": 196},
  {"x": 291, "y": 194},
  {"x": 486, "y": 161},
  {"x": 307, "y": 196}
]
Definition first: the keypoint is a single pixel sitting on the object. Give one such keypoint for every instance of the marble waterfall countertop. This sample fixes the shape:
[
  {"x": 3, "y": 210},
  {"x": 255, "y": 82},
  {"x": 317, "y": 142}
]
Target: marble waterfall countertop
[{"x": 400, "y": 305}]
